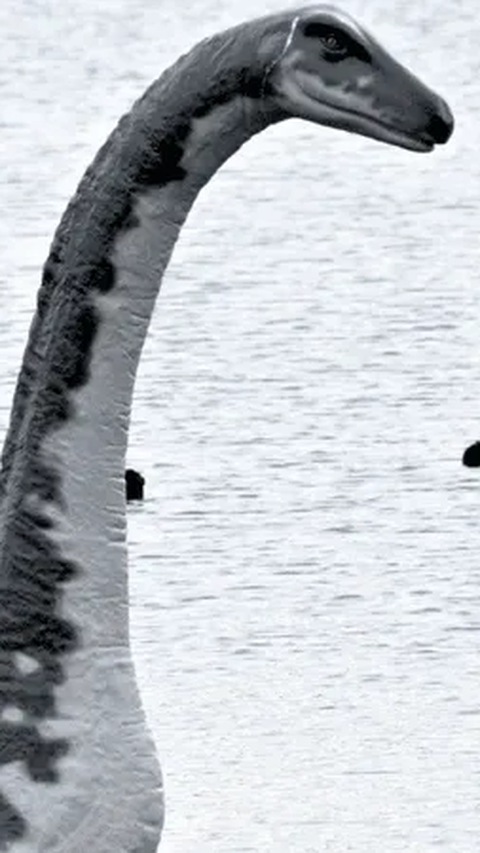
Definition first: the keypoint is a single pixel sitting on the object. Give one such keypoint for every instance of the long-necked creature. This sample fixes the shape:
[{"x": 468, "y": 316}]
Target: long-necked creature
[{"x": 78, "y": 769}]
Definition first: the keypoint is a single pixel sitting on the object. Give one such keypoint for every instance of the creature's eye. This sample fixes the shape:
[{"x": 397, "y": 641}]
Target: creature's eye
[{"x": 333, "y": 44}]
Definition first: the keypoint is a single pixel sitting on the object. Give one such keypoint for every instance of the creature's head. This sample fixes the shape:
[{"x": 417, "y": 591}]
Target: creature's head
[{"x": 332, "y": 72}]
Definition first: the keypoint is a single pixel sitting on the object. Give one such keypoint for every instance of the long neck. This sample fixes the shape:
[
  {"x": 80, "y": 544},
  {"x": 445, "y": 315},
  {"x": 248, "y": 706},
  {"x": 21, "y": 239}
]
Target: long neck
[
  {"x": 176, "y": 136},
  {"x": 71, "y": 707}
]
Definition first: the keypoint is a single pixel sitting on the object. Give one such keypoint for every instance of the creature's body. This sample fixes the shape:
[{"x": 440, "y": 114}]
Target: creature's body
[{"x": 78, "y": 770}]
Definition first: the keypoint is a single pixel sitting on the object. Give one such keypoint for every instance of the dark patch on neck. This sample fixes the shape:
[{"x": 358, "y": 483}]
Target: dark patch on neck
[
  {"x": 12, "y": 825},
  {"x": 102, "y": 275},
  {"x": 24, "y": 743},
  {"x": 161, "y": 161},
  {"x": 74, "y": 350}
]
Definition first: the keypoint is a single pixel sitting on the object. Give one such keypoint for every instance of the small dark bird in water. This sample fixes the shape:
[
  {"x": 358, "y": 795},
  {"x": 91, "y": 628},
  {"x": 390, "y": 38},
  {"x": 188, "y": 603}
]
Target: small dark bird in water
[
  {"x": 134, "y": 483},
  {"x": 471, "y": 457}
]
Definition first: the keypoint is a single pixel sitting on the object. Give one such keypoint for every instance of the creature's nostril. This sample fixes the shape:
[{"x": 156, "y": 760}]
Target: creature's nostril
[{"x": 440, "y": 127}]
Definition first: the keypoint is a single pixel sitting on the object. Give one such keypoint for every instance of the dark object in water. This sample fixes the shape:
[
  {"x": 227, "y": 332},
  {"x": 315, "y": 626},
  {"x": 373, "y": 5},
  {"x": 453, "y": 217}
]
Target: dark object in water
[
  {"x": 471, "y": 457},
  {"x": 134, "y": 483}
]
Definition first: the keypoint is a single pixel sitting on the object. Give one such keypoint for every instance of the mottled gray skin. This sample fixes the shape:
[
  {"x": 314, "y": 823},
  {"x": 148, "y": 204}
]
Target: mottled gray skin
[{"x": 144, "y": 151}]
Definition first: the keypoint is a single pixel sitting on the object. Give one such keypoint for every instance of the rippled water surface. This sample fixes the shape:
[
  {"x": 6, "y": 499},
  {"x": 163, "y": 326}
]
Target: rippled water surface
[{"x": 305, "y": 571}]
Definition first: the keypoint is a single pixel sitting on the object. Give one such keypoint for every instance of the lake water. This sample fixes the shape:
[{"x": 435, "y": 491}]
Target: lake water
[{"x": 305, "y": 570}]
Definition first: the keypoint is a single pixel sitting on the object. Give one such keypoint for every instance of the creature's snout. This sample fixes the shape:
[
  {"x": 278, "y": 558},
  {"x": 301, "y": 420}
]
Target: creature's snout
[{"x": 440, "y": 127}]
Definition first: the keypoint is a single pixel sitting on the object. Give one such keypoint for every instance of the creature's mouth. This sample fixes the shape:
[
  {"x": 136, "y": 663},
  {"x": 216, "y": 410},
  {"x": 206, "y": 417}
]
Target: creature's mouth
[
  {"x": 374, "y": 127},
  {"x": 309, "y": 100},
  {"x": 355, "y": 121}
]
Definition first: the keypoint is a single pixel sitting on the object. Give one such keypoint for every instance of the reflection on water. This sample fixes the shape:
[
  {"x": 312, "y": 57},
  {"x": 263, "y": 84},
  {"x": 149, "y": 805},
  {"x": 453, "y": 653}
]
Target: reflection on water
[{"x": 305, "y": 581}]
